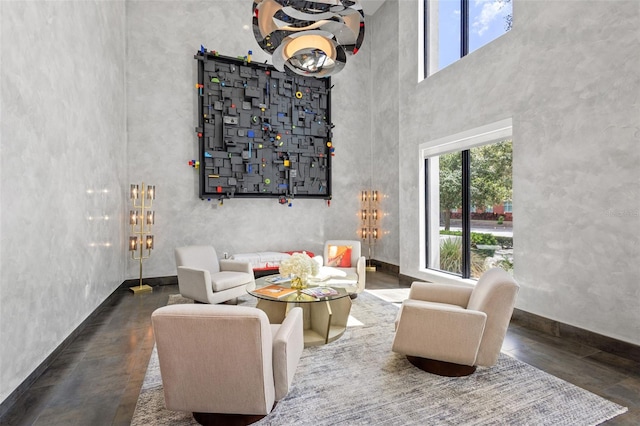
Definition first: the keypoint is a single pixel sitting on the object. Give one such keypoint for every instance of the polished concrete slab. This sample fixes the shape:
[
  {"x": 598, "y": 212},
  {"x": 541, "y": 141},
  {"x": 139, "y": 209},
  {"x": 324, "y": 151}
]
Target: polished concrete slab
[{"x": 96, "y": 379}]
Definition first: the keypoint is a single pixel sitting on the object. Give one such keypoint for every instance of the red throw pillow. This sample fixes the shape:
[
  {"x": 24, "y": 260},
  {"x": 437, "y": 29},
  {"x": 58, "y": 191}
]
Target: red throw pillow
[{"x": 339, "y": 256}]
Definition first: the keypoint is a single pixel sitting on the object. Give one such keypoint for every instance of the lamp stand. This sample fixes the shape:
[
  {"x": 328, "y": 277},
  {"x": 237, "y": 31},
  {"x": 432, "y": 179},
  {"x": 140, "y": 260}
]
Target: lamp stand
[
  {"x": 137, "y": 220},
  {"x": 369, "y": 266},
  {"x": 141, "y": 289},
  {"x": 369, "y": 231}
]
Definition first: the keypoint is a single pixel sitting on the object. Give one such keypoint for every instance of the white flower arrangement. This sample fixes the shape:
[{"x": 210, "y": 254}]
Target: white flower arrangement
[{"x": 299, "y": 264}]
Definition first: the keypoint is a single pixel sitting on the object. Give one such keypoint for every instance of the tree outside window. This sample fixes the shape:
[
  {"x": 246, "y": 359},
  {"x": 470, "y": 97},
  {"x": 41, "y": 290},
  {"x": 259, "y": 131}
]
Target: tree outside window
[{"x": 490, "y": 183}]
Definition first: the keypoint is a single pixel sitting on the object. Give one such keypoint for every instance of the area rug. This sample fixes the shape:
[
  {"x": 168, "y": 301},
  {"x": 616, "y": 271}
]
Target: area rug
[{"x": 357, "y": 380}]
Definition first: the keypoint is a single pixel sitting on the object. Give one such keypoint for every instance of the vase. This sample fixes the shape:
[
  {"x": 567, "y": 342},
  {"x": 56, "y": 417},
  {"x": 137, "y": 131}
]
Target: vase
[{"x": 299, "y": 282}]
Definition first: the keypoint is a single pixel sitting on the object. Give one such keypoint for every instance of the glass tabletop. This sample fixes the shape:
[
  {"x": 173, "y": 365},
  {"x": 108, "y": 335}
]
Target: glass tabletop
[{"x": 278, "y": 289}]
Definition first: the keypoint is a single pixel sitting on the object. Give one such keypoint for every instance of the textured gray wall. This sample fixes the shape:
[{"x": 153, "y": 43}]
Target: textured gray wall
[
  {"x": 383, "y": 31},
  {"x": 161, "y": 103},
  {"x": 62, "y": 167},
  {"x": 569, "y": 81},
  {"x": 76, "y": 130},
  {"x": 568, "y": 76}
]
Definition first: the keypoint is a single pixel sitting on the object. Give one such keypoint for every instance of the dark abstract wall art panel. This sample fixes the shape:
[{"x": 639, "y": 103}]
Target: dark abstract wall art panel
[{"x": 261, "y": 132}]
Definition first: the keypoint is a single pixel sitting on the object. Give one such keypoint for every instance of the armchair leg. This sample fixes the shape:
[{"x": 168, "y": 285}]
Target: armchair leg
[
  {"x": 441, "y": 368},
  {"x": 220, "y": 419}
]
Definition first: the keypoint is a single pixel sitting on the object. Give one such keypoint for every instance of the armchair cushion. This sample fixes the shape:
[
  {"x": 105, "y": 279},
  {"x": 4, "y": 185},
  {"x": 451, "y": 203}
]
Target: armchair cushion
[
  {"x": 198, "y": 257},
  {"x": 326, "y": 272},
  {"x": 339, "y": 256},
  {"x": 229, "y": 279}
]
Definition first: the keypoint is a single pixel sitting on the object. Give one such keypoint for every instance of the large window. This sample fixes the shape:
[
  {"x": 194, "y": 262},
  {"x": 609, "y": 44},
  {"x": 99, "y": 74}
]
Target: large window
[
  {"x": 456, "y": 28},
  {"x": 467, "y": 185}
]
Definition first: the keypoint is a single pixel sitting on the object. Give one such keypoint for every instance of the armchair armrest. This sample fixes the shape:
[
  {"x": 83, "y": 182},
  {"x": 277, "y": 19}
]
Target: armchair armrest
[
  {"x": 288, "y": 343},
  {"x": 441, "y": 293},
  {"x": 440, "y": 332},
  {"x": 362, "y": 273},
  {"x": 236, "y": 266},
  {"x": 195, "y": 283}
]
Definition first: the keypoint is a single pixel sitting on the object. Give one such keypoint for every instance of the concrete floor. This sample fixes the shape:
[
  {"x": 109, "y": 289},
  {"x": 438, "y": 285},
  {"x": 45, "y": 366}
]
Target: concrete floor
[{"x": 97, "y": 379}]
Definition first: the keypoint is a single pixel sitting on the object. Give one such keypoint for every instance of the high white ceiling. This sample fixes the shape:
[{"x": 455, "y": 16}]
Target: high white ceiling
[{"x": 370, "y": 6}]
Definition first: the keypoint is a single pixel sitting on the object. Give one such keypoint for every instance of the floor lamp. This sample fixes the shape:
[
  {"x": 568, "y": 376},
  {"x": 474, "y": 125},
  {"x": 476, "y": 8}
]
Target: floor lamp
[
  {"x": 369, "y": 222},
  {"x": 141, "y": 219}
]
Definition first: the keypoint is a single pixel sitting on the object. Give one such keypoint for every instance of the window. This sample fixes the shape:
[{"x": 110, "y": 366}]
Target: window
[
  {"x": 455, "y": 28},
  {"x": 464, "y": 177},
  {"x": 449, "y": 32},
  {"x": 508, "y": 207}
]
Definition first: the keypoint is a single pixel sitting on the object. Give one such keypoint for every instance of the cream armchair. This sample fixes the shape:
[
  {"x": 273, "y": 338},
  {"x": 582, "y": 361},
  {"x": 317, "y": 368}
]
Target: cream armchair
[
  {"x": 204, "y": 278},
  {"x": 343, "y": 263},
  {"x": 449, "y": 330},
  {"x": 217, "y": 360}
]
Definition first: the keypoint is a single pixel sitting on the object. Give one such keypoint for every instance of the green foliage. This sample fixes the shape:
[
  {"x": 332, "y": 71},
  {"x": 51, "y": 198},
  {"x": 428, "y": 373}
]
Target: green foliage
[
  {"x": 491, "y": 170},
  {"x": 450, "y": 181},
  {"x": 476, "y": 237},
  {"x": 500, "y": 220},
  {"x": 451, "y": 255},
  {"x": 451, "y": 258},
  {"x": 508, "y": 19},
  {"x": 506, "y": 264},
  {"x": 491, "y": 180},
  {"x": 505, "y": 242},
  {"x": 450, "y": 166}
]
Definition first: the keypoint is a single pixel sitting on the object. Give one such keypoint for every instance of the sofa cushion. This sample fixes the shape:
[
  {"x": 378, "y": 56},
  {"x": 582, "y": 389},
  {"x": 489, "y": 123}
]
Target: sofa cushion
[
  {"x": 229, "y": 279},
  {"x": 339, "y": 256},
  {"x": 326, "y": 272},
  {"x": 266, "y": 260}
]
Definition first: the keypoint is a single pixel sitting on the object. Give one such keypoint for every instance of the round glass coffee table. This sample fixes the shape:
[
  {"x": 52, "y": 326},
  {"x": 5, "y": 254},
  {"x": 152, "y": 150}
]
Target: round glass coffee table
[{"x": 325, "y": 314}]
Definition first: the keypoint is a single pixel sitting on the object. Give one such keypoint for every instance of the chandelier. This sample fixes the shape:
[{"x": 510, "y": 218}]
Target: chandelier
[{"x": 309, "y": 38}]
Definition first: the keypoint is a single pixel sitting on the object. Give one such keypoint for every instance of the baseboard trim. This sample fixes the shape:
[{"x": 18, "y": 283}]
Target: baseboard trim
[
  {"x": 153, "y": 281},
  {"x": 13, "y": 397},
  {"x": 384, "y": 266},
  {"x": 568, "y": 332}
]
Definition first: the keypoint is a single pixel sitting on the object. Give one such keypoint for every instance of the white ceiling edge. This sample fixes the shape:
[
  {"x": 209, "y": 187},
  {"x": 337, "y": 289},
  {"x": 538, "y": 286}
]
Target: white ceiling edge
[{"x": 371, "y": 6}]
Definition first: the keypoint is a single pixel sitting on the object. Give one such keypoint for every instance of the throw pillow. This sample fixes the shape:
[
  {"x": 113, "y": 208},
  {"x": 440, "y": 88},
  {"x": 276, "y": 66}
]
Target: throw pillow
[{"x": 339, "y": 256}]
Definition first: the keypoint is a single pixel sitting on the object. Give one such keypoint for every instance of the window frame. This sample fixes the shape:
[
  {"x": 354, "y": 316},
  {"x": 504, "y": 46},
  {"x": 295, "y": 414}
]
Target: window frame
[
  {"x": 429, "y": 7},
  {"x": 429, "y": 200}
]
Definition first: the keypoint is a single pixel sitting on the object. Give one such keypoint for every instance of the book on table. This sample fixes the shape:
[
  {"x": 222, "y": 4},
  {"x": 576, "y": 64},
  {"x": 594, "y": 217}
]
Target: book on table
[
  {"x": 279, "y": 279},
  {"x": 274, "y": 290},
  {"x": 320, "y": 292}
]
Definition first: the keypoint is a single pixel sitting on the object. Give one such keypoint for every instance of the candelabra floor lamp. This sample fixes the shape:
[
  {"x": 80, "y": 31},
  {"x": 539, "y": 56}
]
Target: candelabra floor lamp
[
  {"x": 141, "y": 219},
  {"x": 369, "y": 223}
]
